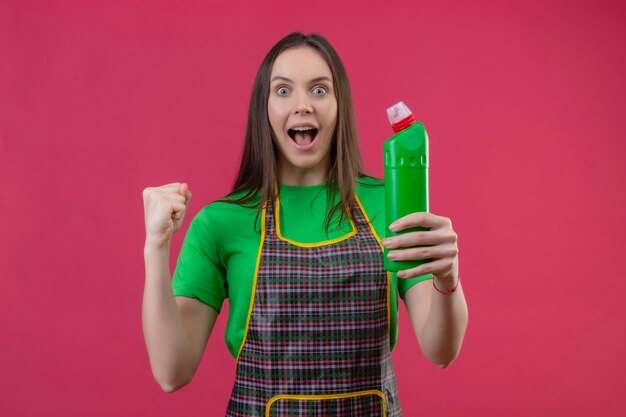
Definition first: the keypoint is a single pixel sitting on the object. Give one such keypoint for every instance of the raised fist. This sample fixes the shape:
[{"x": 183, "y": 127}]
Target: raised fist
[{"x": 164, "y": 210}]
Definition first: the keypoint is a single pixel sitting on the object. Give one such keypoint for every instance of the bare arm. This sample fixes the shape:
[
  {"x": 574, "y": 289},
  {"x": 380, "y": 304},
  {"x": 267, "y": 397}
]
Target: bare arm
[
  {"x": 176, "y": 329},
  {"x": 439, "y": 321}
]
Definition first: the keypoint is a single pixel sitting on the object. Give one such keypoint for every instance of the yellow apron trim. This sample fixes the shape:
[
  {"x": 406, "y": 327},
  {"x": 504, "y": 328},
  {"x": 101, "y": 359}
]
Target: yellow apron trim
[
  {"x": 326, "y": 397},
  {"x": 256, "y": 274},
  {"x": 309, "y": 245},
  {"x": 369, "y": 223}
]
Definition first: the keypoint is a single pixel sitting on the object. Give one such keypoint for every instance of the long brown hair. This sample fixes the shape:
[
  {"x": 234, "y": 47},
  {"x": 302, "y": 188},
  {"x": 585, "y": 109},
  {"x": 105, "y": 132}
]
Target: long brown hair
[{"x": 258, "y": 169}]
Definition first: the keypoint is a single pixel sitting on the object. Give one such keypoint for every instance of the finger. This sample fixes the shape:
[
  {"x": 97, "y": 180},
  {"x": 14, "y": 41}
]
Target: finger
[
  {"x": 173, "y": 186},
  {"x": 170, "y": 196},
  {"x": 429, "y": 237},
  {"x": 426, "y": 252},
  {"x": 177, "y": 207},
  {"x": 423, "y": 219},
  {"x": 155, "y": 192},
  {"x": 436, "y": 267}
]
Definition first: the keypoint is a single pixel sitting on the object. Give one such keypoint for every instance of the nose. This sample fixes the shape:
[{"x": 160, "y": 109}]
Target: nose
[
  {"x": 303, "y": 105},
  {"x": 303, "y": 110}
]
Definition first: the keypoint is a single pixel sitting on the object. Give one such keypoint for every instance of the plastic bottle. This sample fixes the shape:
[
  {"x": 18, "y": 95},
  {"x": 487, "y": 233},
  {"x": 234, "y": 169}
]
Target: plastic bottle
[{"x": 406, "y": 175}]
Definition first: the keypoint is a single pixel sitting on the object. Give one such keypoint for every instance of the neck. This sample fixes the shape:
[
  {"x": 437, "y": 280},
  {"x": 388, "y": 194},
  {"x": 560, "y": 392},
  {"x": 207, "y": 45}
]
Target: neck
[{"x": 291, "y": 175}]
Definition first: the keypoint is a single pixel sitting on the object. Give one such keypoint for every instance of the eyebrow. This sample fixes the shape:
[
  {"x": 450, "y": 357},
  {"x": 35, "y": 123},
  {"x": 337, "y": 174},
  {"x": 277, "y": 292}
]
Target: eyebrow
[{"x": 314, "y": 80}]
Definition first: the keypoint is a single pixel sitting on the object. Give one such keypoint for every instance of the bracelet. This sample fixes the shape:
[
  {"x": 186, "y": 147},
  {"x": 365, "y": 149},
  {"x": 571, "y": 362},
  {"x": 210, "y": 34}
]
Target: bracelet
[{"x": 447, "y": 292}]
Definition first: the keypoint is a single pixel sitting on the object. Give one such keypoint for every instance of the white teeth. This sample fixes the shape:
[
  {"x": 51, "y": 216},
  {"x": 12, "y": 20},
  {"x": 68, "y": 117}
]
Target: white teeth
[{"x": 301, "y": 129}]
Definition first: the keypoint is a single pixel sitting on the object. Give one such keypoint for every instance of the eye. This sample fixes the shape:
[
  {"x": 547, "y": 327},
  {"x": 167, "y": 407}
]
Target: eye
[
  {"x": 320, "y": 90},
  {"x": 282, "y": 90}
]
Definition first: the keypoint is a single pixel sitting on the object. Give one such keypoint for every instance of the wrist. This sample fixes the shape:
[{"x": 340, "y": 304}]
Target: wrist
[
  {"x": 447, "y": 286},
  {"x": 156, "y": 246}
]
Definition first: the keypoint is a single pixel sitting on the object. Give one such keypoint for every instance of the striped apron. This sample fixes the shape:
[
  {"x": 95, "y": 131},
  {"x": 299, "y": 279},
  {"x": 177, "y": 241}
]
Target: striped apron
[{"x": 317, "y": 339}]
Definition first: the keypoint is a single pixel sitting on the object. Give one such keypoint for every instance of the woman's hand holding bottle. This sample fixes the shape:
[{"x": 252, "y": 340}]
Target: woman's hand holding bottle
[{"x": 438, "y": 243}]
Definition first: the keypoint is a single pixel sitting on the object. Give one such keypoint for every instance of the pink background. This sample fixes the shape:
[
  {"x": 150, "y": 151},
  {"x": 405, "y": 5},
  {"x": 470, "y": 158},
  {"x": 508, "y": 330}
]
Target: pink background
[{"x": 524, "y": 103}]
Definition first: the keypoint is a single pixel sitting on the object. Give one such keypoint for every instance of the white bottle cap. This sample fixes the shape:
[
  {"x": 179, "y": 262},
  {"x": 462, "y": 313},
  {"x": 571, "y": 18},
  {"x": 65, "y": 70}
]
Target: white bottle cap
[{"x": 398, "y": 112}]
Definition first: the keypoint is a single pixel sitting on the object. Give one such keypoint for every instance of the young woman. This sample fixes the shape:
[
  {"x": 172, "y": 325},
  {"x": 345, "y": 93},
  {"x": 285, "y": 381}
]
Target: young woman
[{"x": 296, "y": 250}]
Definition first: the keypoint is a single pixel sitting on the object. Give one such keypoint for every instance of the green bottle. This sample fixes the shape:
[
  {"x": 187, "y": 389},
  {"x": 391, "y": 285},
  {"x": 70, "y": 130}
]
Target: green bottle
[{"x": 406, "y": 175}]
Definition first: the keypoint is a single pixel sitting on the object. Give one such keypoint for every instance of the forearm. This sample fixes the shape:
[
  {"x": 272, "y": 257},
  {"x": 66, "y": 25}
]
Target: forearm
[
  {"x": 166, "y": 339},
  {"x": 444, "y": 327}
]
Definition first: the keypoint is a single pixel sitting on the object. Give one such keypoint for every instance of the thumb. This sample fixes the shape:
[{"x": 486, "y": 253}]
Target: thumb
[{"x": 184, "y": 191}]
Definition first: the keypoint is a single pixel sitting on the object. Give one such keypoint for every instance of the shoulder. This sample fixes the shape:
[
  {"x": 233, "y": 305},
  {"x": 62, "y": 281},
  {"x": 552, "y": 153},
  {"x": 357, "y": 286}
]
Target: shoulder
[
  {"x": 232, "y": 205},
  {"x": 371, "y": 192},
  {"x": 366, "y": 181},
  {"x": 227, "y": 216}
]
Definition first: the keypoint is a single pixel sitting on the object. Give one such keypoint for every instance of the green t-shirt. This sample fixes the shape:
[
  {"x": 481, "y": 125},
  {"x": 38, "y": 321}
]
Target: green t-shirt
[{"x": 219, "y": 252}]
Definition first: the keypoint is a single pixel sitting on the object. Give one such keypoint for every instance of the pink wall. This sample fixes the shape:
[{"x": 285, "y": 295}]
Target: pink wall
[{"x": 524, "y": 104}]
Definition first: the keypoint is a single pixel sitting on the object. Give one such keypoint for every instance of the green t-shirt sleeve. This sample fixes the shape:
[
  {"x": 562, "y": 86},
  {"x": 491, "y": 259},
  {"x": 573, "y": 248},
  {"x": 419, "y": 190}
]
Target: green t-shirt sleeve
[
  {"x": 405, "y": 283},
  {"x": 199, "y": 271}
]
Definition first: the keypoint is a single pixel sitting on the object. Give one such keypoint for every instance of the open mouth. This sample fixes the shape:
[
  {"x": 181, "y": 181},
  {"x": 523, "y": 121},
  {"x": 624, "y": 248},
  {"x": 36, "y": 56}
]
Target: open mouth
[{"x": 303, "y": 136}]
